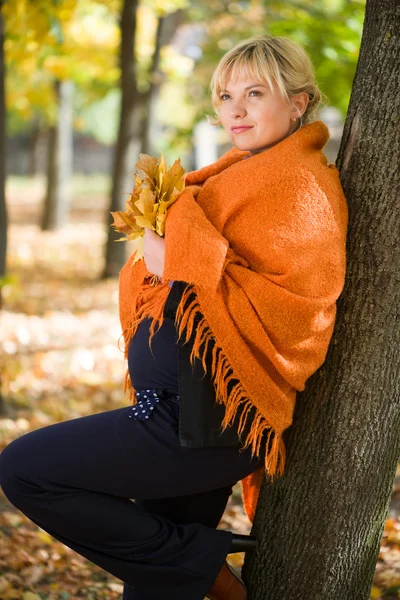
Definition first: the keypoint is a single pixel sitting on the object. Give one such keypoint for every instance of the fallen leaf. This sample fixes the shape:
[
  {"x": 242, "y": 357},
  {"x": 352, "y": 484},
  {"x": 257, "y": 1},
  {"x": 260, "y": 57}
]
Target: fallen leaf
[
  {"x": 33, "y": 574},
  {"x": 116, "y": 587},
  {"x": 4, "y": 584},
  {"x": 13, "y": 519},
  {"x": 45, "y": 537},
  {"x": 31, "y": 596}
]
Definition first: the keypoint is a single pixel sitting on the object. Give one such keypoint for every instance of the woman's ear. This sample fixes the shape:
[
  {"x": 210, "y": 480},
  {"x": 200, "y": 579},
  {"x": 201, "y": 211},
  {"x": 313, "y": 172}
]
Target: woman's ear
[{"x": 299, "y": 103}]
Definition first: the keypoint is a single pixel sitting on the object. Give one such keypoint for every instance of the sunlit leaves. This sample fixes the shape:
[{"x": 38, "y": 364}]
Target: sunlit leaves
[
  {"x": 163, "y": 7},
  {"x": 68, "y": 39},
  {"x": 156, "y": 188}
]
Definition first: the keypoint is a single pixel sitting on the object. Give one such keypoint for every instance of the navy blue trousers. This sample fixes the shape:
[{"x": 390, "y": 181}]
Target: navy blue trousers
[{"x": 78, "y": 479}]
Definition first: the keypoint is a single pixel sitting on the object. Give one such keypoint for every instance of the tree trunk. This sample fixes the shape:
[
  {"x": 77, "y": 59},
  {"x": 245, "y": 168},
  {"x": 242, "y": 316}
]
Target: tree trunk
[
  {"x": 166, "y": 28},
  {"x": 321, "y": 524},
  {"x": 128, "y": 143},
  {"x": 34, "y": 147},
  {"x": 3, "y": 208},
  {"x": 133, "y": 136},
  {"x": 59, "y": 161}
]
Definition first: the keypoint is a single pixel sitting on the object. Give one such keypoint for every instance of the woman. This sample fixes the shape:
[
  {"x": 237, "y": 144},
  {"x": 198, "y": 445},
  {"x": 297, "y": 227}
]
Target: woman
[{"x": 239, "y": 304}]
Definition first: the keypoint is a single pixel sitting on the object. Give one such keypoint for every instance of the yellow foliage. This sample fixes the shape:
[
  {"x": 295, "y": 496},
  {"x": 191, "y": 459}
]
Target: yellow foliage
[
  {"x": 175, "y": 64},
  {"x": 61, "y": 40},
  {"x": 156, "y": 188},
  {"x": 45, "y": 537},
  {"x": 57, "y": 66},
  {"x": 163, "y": 7}
]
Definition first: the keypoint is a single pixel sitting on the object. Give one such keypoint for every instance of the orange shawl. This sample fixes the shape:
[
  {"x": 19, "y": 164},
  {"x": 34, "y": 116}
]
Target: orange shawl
[{"x": 262, "y": 243}]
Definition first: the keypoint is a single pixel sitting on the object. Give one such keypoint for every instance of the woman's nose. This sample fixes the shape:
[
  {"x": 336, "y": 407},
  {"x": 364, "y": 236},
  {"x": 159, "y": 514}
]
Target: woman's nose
[{"x": 238, "y": 110}]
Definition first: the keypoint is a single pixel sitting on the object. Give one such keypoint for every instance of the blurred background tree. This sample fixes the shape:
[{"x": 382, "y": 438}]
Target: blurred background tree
[
  {"x": 140, "y": 82},
  {"x": 52, "y": 45},
  {"x": 3, "y": 209}
]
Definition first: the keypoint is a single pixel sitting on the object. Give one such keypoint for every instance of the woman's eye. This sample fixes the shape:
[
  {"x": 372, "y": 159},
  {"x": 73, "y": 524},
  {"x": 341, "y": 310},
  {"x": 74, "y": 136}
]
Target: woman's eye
[{"x": 224, "y": 97}]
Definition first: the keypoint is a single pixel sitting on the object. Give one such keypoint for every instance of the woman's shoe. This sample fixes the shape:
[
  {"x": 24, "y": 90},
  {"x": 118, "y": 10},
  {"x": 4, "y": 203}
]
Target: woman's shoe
[
  {"x": 227, "y": 585},
  {"x": 242, "y": 543}
]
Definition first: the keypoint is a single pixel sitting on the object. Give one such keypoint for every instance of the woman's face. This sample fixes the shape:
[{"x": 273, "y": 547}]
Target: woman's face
[{"x": 255, "y": 118}]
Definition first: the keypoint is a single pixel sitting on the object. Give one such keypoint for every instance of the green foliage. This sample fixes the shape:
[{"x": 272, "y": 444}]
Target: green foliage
[
  {"x": 329, "y": 30},
  {"x": 100, "y": 119},
  {"x": 331, "y": 34}
]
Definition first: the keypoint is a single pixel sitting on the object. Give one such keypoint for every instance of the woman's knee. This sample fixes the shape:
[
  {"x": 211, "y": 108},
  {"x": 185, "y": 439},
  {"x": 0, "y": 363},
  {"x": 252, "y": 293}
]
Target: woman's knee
[{"x": 16, "y": 469}]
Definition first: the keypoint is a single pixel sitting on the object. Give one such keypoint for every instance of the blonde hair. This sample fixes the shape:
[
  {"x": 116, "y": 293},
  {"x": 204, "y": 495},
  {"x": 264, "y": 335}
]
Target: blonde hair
[{"x": 273, "y": 60}]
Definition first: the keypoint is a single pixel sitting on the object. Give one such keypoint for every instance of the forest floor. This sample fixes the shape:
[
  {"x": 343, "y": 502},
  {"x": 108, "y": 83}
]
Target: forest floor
[{"x": 59, "y": 359}]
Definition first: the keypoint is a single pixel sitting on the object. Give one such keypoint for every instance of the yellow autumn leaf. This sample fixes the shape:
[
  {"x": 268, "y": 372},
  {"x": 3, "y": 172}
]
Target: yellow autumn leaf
[
  {"x": 164, "y": 204},
  {"x": 131, "y": 203},
  {"x": 163, "y": 166},
  {"x": 119, "y": 223},
  {"x": 5, "y": 583},
  {"x": 139, "y": 250},
  {"x": 130, "y": 220},
  {"x": 236, "y": 560},
  {"x": 146, "y": 202},
  {"x": 391, "y": 581},
  {"x": 45, "y": 537},
  {"x": 147, "y": 167},
  {"x": 136, "y": 234},
  {"x": 11, "y": 594},
  {"x": 375, "y": 593},
  {"x": 160, "y": 224},
  {"x": 31, "y": 596},
  {"x": 144, "y": 222},
  {"x": 162, "y": 208},
  {"x": 171, "y": 179}
]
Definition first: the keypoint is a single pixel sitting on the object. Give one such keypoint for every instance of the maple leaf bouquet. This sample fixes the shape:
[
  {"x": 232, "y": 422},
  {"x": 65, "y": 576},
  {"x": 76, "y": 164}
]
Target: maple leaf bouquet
[{"x": 156, "y": 188}]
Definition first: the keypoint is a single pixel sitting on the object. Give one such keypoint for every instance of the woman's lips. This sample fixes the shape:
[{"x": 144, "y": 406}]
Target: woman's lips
[{"x": 240, "y": 129}]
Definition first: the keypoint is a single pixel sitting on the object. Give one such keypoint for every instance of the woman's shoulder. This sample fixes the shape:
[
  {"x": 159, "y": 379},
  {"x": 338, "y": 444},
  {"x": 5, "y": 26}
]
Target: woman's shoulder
[{"x": 226, "y": 160}]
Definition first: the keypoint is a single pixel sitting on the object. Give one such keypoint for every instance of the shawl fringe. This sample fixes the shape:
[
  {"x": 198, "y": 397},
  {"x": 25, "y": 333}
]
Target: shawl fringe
[{"x": 229, "y": 390}]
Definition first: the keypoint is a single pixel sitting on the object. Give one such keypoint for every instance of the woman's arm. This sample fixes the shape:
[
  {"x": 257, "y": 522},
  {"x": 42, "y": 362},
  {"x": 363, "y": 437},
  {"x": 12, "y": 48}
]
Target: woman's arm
[{"x": 195, "y": 251}]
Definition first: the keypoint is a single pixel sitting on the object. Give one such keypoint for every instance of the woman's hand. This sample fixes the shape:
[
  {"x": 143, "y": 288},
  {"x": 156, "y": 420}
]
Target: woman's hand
[{"x": 154, "y": 252}]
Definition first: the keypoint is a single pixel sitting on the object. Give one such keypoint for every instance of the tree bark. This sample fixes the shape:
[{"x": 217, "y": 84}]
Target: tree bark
[
  {"x": 59, "y": 161},
  {"x": 128, "y": 142},
  {"x": 321, "y": 524}
]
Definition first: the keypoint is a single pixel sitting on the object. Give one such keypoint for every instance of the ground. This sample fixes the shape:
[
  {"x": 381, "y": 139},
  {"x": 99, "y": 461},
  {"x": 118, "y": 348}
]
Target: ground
[{"x": 60, "y": 359}]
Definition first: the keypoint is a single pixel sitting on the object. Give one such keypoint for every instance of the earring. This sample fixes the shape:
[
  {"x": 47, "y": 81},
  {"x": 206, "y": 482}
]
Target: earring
[{"x": 293, "y": 119}]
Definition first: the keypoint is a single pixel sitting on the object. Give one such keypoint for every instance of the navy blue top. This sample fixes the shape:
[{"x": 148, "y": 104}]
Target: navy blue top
[{"x": 156, "y": 367}]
